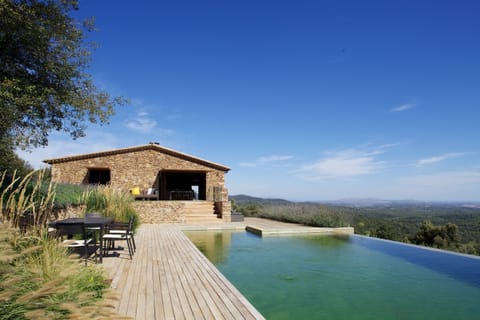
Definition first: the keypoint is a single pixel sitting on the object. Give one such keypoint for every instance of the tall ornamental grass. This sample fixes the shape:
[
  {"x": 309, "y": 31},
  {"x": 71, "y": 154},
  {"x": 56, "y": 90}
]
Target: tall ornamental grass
[
  {"x": 111, "y": 202},
  {"x": 25, "y": 200},
  {"x": 38, "y": 280},
  {"x": 38, "y": 277}
]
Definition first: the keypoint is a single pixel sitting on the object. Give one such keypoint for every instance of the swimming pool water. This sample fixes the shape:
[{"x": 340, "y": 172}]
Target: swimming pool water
[{"x": 327, "y": 277}]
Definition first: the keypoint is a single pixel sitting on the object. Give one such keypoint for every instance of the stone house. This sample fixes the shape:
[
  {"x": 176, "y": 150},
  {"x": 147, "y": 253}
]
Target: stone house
[{"x": 152, "y": 172}]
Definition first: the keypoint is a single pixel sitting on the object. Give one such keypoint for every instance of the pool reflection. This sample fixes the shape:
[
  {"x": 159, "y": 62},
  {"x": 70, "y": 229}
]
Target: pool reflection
[{"x": 214, "y": 245}]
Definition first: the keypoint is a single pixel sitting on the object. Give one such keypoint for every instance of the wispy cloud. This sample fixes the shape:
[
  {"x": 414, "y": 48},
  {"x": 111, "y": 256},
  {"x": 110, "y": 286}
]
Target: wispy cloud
[
  {"x": 443, "y": 179},
  {"x": 403, "y": 107},
  {"x": 345, "y": 163},
  {"x": 142, "y": 123},
  {"x": 271, "y": 160},
  {"x": 443, "y": 157}
]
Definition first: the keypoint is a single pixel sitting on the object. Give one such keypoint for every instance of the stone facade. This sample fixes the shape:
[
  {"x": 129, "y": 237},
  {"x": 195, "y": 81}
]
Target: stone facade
[
  {"x": 141, "y": 167},
  {"x": 135, "y": 169}
]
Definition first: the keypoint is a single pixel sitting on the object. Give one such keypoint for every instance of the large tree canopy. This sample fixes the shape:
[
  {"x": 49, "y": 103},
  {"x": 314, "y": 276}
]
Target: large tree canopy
[{"x": 44, "y": 85}]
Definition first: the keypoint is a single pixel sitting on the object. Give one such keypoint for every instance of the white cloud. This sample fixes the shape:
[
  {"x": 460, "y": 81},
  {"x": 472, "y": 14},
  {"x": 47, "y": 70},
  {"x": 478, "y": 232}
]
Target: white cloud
[
  {"x": 272, "y": 159},
  {"x": 443, "y": 157},
  {"x": 403, "y": 107},
  {"x": 142, "y": 123},
  {"x": 345, "y": 163}
]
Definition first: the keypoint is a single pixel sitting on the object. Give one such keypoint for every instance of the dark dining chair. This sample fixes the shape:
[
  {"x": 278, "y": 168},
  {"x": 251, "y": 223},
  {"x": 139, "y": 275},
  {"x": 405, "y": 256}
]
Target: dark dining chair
[
  {"x": 118, "y": 233},
  {"x": 71, "y": 229}
]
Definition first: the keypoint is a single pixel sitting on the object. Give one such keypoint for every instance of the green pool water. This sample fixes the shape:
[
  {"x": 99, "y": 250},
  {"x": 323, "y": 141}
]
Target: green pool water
[{"x": 326, "y": 277}]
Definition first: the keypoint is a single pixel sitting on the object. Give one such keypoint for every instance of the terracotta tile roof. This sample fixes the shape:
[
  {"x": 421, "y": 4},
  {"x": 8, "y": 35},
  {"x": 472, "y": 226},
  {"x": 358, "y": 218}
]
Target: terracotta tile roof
[{"x": 150, "y": 146}]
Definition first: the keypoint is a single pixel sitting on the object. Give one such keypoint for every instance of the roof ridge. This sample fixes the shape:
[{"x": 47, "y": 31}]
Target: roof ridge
[{"x": 151, "y": 145}]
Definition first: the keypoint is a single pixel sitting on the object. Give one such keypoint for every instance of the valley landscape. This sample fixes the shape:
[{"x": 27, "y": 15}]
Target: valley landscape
[{"x": 452, "y": 226}]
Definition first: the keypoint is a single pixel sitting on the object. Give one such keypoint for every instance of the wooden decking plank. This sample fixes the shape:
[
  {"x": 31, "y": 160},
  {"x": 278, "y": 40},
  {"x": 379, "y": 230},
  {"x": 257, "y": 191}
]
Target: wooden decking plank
[
  {"x": 149, "y": 291},
  {"x": 126, "y": 290},
  {"x": 198, "y": 303},
  {"x": 182, "y": 287},
  {"x": 212, "y": 275},
  {"x": 169, "y": 278},
  {"x": 205, "y": 302},
  {"x": 167, "y": 303},
  {"x": 171, "y": 281},
  {"x": 227, "y": 307},
  {"x": 142, "y": 256},
  {"x": 135, "y": 279},
  {"x": 156, "y": 268}
]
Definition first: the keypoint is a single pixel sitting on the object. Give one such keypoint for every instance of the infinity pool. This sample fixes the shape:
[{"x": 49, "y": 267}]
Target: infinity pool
[{"x": 327, "y": 277}]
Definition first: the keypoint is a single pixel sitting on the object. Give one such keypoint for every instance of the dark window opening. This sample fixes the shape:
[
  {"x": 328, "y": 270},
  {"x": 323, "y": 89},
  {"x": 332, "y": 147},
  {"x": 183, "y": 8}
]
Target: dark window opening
[
  {"x": 98, "y": 176},
  {"x": 182, "y": 185}
]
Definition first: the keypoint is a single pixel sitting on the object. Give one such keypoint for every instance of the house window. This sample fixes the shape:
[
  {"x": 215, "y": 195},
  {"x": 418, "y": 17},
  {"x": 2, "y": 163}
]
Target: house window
[{"x": 98, "y": 176}]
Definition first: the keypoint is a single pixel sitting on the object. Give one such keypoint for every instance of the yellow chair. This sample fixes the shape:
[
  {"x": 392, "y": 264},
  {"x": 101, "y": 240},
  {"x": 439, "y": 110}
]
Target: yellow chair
[{"x": 135, "y": 191}]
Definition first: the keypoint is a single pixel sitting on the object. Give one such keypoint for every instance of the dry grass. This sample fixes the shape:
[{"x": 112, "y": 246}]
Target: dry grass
[
  {"x": 38, "y": 280},
  {"x": 23, "y": 200},
  {"x": 110, "y": 202}
]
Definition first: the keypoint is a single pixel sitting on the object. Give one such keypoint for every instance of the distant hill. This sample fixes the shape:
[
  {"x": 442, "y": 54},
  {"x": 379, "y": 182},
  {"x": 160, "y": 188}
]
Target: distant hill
[
  {"x": 358, "y": 202},
  {"x": 244, "y": 199}
]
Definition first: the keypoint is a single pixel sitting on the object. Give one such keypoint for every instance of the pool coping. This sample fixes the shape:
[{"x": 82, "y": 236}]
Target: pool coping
[{"x": 265, "y": 227}]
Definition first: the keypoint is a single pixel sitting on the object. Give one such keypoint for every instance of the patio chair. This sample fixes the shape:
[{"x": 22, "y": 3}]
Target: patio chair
[
  {"x": 70, "y": 229},
  {"x": 118, "y": 232},
  {"x": 122, "y": 228}
]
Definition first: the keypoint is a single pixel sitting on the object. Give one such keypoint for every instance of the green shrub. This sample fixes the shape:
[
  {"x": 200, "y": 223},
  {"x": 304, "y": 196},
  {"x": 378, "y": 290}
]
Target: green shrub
[
  {"x": 111, "y": 202},
  {"x": 68, "y": 195}
]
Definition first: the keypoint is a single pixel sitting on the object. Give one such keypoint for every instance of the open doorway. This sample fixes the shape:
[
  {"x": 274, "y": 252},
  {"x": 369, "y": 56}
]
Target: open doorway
[{"x": 181, "y": 185}]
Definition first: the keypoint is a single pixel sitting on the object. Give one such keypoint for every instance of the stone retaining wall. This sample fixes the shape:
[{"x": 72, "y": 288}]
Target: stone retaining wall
[{"x": 160, "y": 211}]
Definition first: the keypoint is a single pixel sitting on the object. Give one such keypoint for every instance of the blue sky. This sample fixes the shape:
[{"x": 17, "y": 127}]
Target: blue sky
[{"x": 304, "y": 100}]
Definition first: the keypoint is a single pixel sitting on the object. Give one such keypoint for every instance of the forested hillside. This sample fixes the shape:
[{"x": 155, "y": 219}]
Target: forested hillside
[{"x": 441, "y": 225}]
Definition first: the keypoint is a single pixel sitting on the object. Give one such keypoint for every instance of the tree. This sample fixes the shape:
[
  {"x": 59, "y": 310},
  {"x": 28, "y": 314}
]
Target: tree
[
  {"x": 44, "y": 85},
  {"x": 442, "y": 237},
  {"x": 10, "y": 162}
]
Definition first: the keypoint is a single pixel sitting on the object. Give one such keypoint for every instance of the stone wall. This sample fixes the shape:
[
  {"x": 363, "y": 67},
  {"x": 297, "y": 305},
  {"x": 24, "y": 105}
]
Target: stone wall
[
  {"x": 225, "y": 210},
  {"x": 68, "y": 212},
  {"x": 160, "y": 211},
  {"x": 134, "y": 169}
]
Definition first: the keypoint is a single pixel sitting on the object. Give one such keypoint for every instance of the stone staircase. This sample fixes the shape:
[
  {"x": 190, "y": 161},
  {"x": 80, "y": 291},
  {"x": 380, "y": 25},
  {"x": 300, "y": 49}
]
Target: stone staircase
[{"x": 200, "y": 212}]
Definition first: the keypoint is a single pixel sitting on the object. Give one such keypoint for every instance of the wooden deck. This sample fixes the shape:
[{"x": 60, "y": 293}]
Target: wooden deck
[{"x": 169, "y": 278}]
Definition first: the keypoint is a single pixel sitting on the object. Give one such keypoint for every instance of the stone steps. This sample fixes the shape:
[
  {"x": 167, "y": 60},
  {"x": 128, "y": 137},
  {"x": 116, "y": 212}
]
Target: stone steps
[{"x": 200, "y": 212}]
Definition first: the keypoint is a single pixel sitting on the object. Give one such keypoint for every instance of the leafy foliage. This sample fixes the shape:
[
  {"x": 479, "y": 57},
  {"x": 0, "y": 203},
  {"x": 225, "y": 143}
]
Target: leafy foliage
[
  {"x": 442, "y": 237},
  {"x": 11, "y": 162},
  {"x": 44, "y": 85}
]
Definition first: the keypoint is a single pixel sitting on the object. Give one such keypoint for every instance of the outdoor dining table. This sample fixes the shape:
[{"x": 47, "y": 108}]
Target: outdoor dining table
[{"x": 92, "y": 223}]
